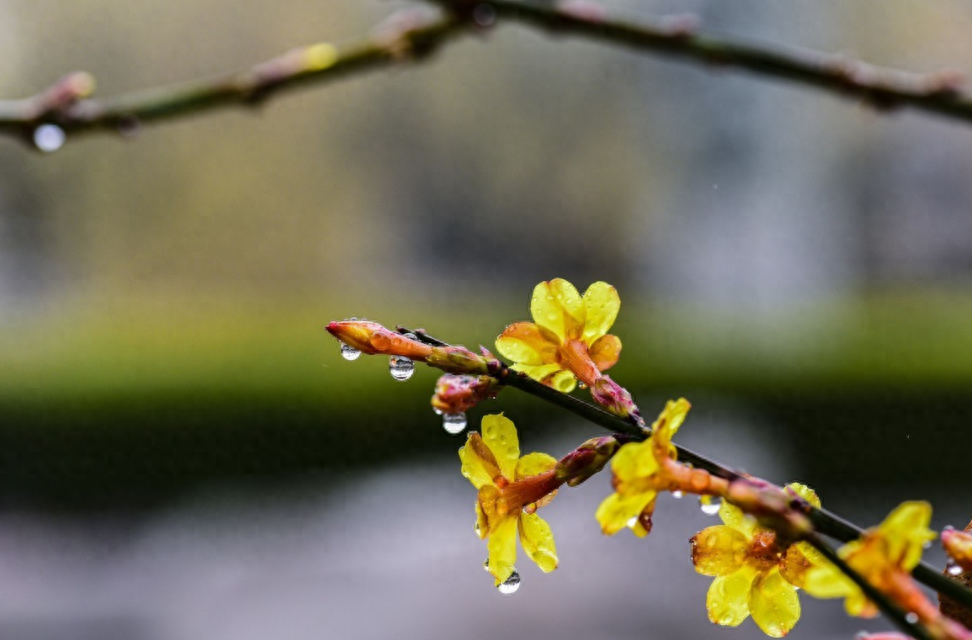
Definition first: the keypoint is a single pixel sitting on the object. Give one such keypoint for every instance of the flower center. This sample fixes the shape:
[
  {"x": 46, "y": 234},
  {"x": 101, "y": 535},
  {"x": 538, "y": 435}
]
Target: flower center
[
  {"x": 574, "y": 356},
  {"x": 517, "y": 495},
  {"x": 764, "y": 552}
]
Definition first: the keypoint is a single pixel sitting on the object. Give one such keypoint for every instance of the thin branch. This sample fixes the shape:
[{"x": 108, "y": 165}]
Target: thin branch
[
  {"x": 66, "y": 103},
  {"x": 825, "y": 522}
]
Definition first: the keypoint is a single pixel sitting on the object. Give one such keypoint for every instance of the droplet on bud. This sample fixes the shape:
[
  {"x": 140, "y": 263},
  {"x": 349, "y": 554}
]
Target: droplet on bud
[
  {"x": 510, "y": 585},
  {"x": 911, "y": 617},
  {"x": 348, "y": 352},
  {"x": 401, "y": 368},
  {"x": 49, "y": 137},
  {"x": 677, "y": 494},
  {"x": 953, "y": 568},
  {"x": 454, "y": 423},
  {"x": 709, "y": 505}
]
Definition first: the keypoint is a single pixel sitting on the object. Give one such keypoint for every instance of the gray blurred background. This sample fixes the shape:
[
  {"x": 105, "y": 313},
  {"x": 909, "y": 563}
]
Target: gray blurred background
[{"x": 183, "y": 452}]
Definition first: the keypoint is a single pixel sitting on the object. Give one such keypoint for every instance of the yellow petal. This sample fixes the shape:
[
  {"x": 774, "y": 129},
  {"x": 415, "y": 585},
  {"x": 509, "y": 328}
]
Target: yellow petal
[
  {"x": 718, "y": 550},
  {"x": 478, "y": 462},
  {"x": 671, "y": 417},
  {"x": 482, "y": 525},
  {"x": 537, "y": 541},
  {"x": 858, "y": 605},
  {"x": 538, "y": 372},
  {"x": 533, "y": 464},
  {"x": 528, "y": 343},
  {"x": 563, "y": 381},
  {"x": 617, "y": 511},
  {"x": 906, "y": 531},
  {"x": 557, "y": 306},
  {"x": 728, "y": 598},
  {"x": 602, "y": 303},
  {"x": 800, "y": 558},
  {"x": 826, "y": 581},
  {"x": 488, "y": 512},
  {"x": 499, "y": 434},
  {"x": 774, "y": 604},
  {"x": 633, "y": 461},
  {"x": 502, "y": 548},
  {"x": 605, "y": 352},
  {"x": 805, "y": 492},
  {"x": 734, "y": 517}
]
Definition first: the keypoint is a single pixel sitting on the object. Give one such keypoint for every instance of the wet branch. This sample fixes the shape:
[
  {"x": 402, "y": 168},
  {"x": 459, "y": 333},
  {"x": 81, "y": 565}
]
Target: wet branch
[{"x": 824, "y": 522}]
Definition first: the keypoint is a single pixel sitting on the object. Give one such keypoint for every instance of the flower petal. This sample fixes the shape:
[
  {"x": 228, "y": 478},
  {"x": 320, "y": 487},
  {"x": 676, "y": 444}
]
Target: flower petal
[
  {"x": 734, "y": 517},
  {"x": 538, "y": 372},
  {"x": 528, "y": 343},
  {"x": 602, "y": 303},
  {"x": 605, "y": 352},
  {"x": 671, "y": 418},
  {"x": 633, "y": 461},
  {"x": 533, "y": 464},
  {"x": 537, "y": 540},
  {"x": 718, "y": 550},
  {"x": 502, "y": 548},
  {"x": 906, "y": 531},
  {"x": 563, "y": 381},
  {"x": 728, "y": 598},
  {"x": 478, "y": 462},
  {"x": 557, "y": 306},
  {"x": 617, "y": 511},
  {"x": 774, "y": 604},
  {"x": 805, "y": 492},
  {"x": 826, "y": 581},
  {"x": 499, "y": 434},
  {"x": 482, "y": 525}
]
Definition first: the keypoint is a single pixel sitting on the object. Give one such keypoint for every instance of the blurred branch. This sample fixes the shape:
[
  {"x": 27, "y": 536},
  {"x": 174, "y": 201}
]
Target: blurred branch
[
  {"x": 67, "y": 105},
  {"x": 825, "y": 522}
]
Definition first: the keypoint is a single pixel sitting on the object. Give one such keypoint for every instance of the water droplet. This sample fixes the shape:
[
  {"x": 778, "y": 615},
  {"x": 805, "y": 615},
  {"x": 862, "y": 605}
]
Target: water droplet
[
  {"x": 862, "y": 635},
  {"x": 437, "y": 411},
  {"x": 128, "y": 126},
  {"x": 709, "y": 505},
  {"x": 677, "y": 494},
  {"x": 349, "y": 353},
  {"x": 953, "y": 568},
  {"x": 484, "y": 15},
  {"x": 633, "y": 522},
  {"x": 49, "y": 137},
  {"x": 454, "y": 423},
  {"x": 581, "y": 386},
  {"x": 926, "y": 544},
  {"x": 401, "y": 368},
  {"x": 510, "y": 585},
  {"x": 911, "y": 617},
  {"x": 486, "y": 563}
]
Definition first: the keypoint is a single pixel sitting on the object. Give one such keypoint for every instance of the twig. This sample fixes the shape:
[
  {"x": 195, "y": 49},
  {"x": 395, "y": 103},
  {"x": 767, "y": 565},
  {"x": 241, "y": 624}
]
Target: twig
[
  {"x": 825, "y": 522},
  {"x": 66, "y": 103}
]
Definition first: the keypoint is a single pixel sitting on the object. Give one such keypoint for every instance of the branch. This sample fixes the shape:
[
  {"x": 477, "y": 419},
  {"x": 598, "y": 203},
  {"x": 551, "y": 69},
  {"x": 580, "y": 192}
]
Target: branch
[
  {"x": 67, "y": 105},
  {"x": 824, "y": 521}
]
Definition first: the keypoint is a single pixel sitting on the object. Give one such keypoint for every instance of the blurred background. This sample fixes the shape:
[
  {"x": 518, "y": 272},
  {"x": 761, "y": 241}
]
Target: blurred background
[{"x": 183, "y": 452}]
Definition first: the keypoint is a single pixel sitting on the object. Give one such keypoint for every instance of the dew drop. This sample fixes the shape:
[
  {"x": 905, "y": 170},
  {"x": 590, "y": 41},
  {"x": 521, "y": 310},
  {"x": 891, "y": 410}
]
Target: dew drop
[
  {"x": 437, "y": 411},
  {"x": 49, "y": 137},
  {"x": 510, "y": 585},
  {"x": 401, "y": 368},
  {"x": 677, "y": 494},
  {"x": 862, "y": 635},
  {"x": 709, "y": 505},
  {"x": 633, "y": 522},
  {"x": 484, "y": 15},
  {"x": 349, "y": 353},
  {"x": 953, "y": 568},
  {"x": 911, "y": 617},
  {"x": 454, "y": 423}
]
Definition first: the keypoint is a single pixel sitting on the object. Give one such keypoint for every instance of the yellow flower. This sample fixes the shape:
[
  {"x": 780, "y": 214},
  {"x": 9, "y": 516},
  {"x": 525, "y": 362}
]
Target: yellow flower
[
  {"x": 882, "y": 556},
  {"x": 568, "y": 339},
  {"x": 754, "y": 574},
  {"x": 639, "y": 474},
  {"x": 511, "y": 489}
]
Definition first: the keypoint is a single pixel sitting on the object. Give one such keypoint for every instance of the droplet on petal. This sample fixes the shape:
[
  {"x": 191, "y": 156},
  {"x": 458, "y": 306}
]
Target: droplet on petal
[
  {"x": 632, "y": 523},
  {"x": 349, "y": 353},
  {"x": 454, "y": 423},
  {"x": 709, "y": 505},
  {"x": 401, "y": 368},
  {"x": 510, "y": 585},
  {"x": 49, "y": 137}
]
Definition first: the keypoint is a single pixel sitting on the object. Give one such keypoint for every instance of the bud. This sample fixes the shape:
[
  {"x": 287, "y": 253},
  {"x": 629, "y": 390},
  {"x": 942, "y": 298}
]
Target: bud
[
  {"x": 615, "y": 398},
  {"x": 458, "y": 394},
  {"x": 371, "y": 338},
  {"x": 958, "y": 546},
  {"x": 586, "y": 460}
]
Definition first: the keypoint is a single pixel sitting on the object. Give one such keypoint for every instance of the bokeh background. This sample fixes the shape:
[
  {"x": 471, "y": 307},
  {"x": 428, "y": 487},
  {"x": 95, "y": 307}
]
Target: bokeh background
[{"x": 183, "y": 452}]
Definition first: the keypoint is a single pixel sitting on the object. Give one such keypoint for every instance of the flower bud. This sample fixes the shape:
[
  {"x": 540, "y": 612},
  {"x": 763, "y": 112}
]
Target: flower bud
[
  {"x": 613, "y": 397},
  {"x": 458, "y": 394},
  {"x": 586, "y": 460},
  {"x": 371, "y": 338}
]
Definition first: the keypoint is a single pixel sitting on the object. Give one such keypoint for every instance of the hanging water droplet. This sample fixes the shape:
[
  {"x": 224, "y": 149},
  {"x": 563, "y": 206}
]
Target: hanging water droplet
[
  {"x": 454, "y": 423},
  {"x": 581, "y": 386},
  {"x": 510, "y": 585},
  {"x": 709, "y": 505},
  {"x": 437, "y": 411},
  {"x": 911, "y": 617},
  {"x": 677, "y": 494},
  {"x": 348, "y": 352},
  {"x": 953, "y": 568},
  {"x": 49, "y": 137},
  {"x": 401, "y": 368}
]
